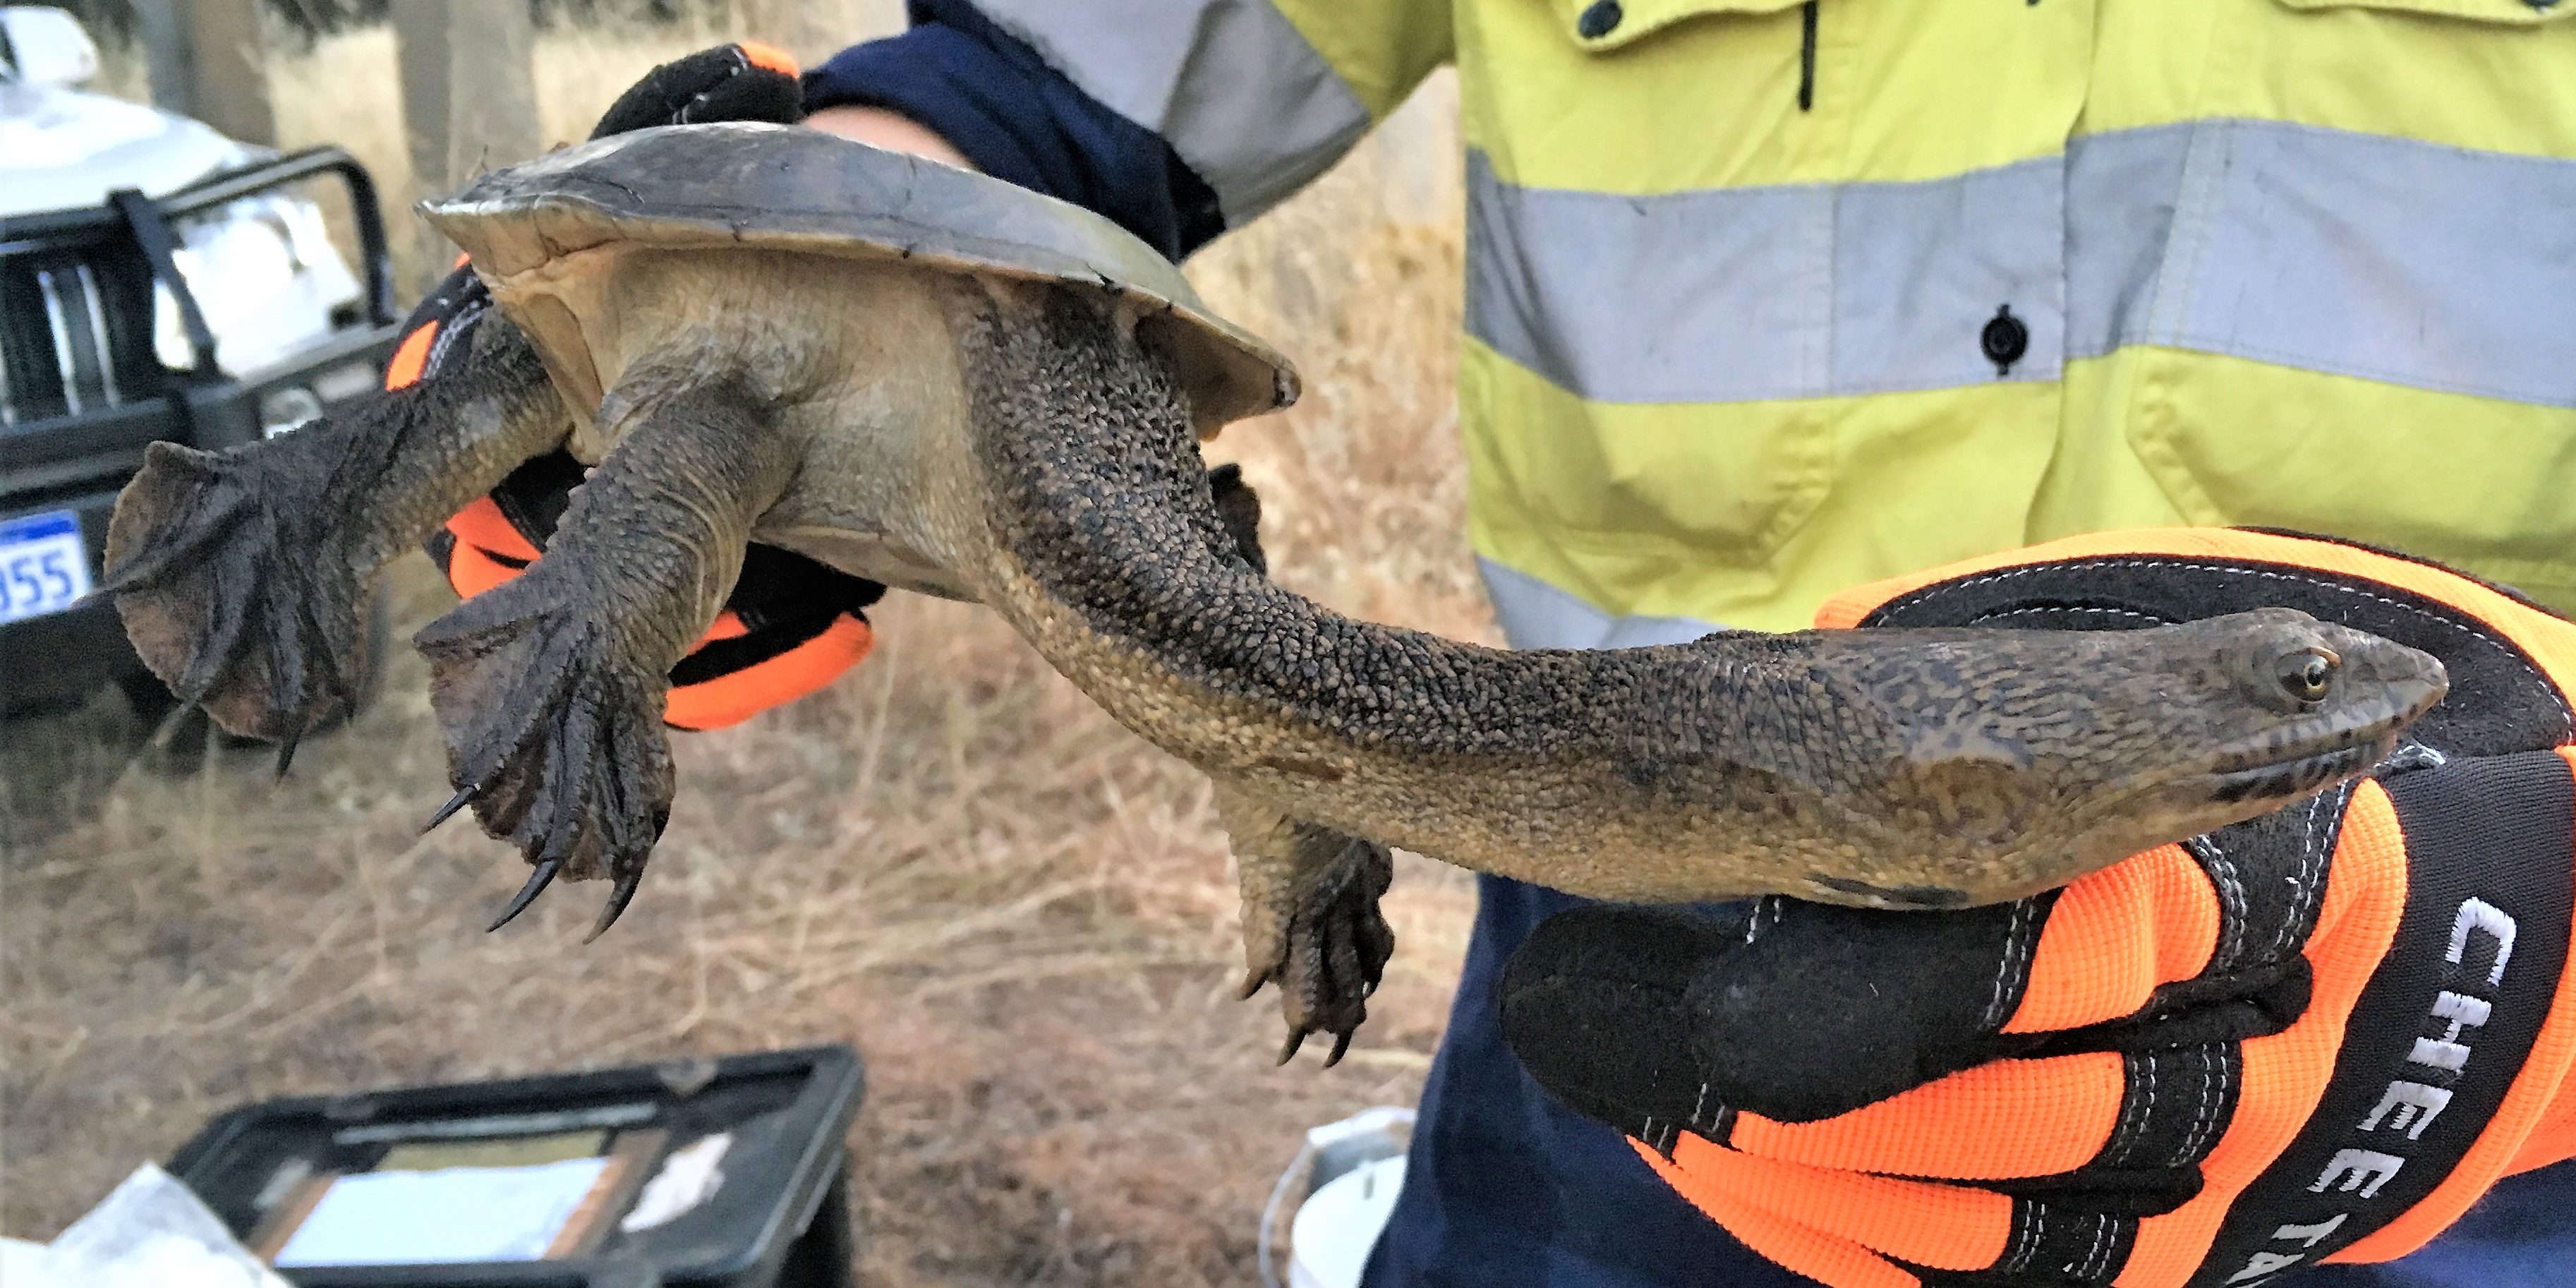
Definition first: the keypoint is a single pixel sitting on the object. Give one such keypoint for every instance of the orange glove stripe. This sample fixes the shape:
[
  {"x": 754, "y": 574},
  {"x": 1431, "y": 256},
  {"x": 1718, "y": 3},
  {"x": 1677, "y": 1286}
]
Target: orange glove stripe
[
  {"x": 2534, "y": 1091},
  {"x": 738, "y": 696},
  {"x": 2116, "y": 935},
  {"x": 1992, "y": 1122},
  {"x": 2286, "y": 1072},
  {"x": 1802, "y": 1249},
  {"x": 482, "y": 524},
  {"x": 768, "y": 56},
  {"x": 2555, "y": 1139},
  {"x": 2548, "y": 640},
  {"x": 1947, "y": 1227},
  {"x": 411, "y": 357},
  {"x": 472, "y": 571}
]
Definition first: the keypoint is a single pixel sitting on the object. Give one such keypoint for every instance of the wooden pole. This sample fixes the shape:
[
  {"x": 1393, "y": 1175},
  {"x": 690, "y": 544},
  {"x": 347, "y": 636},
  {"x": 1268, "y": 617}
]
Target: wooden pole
[
  {"x": 164, "y": 37},
  {"x": 206, "y": 62},
  {"x": 469, "y": 97},
  {"x": 231, "y": 72}
]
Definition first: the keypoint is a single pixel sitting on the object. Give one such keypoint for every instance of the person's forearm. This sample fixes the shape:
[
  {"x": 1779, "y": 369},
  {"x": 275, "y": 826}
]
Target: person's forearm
[
  {"x": 888, "y": 129},
  {"x": 986, "y": 98}
]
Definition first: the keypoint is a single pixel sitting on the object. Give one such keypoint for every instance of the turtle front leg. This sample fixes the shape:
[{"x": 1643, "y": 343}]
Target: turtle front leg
[
  {"x": 549, "y": 688},
  {"x": 243, "y": 576},
  {"x": 1310, "y": 918}
]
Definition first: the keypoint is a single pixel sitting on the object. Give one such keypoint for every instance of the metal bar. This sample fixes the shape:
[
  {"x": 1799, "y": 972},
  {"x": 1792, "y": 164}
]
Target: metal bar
[
  {"x": 152, "y": 236},
  {"x": 49, "y": 230},
  {"x": 367, "y": 210}
]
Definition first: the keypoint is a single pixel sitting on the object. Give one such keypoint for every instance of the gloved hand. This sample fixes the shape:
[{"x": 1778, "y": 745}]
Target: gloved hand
[
  {"x": 791, "y": 625},
  {"x": 2318, "y": 1035}
]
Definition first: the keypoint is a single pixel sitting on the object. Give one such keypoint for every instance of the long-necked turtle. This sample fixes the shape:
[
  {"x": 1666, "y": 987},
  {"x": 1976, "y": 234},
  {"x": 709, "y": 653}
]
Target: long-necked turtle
[{"x": 936, "y": 380}]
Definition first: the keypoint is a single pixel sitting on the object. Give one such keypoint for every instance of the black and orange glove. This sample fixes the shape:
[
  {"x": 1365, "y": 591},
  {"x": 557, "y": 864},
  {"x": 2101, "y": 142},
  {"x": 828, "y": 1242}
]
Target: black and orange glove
[
  {"x": 791, "y": 625},
  {"x": 2316, "y": 1036}
]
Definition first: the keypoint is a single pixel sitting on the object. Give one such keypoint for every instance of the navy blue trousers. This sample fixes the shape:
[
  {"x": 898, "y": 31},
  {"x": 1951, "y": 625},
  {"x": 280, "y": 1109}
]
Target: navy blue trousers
[{"x": 1506, "y": 1187}]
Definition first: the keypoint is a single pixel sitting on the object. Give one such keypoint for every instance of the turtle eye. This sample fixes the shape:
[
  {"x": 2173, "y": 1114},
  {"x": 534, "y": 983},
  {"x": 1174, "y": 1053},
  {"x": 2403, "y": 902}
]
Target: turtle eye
[{"x": 2308, "y": 673}]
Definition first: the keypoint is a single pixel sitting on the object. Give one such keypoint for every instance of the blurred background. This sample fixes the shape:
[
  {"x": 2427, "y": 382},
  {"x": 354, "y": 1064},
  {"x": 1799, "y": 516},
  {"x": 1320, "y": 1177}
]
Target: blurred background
[{"x": 1021, "y": 915}]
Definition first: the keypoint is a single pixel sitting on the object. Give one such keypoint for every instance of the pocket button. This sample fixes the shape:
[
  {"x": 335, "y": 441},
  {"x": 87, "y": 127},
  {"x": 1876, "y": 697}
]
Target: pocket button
[{"x": 2004, "y": 339}]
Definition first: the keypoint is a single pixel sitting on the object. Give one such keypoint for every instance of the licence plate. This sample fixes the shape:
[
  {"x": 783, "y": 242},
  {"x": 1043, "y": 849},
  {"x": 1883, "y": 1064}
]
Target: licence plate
[{"x": 43, "y": 566}]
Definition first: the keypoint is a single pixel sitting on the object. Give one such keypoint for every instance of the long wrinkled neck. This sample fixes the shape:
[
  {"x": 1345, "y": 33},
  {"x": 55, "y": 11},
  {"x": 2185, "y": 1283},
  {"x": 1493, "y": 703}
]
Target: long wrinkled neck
[{"x": 1103, "y": 514}]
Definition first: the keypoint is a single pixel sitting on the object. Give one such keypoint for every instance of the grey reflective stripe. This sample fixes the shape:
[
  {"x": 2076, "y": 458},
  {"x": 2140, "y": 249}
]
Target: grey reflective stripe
[
  {"x": 1795, "y": 291},
  {"x": 1230, "y": 84},
  {"x": 1535, "y": 614},
  {"x": 2411, "y": 263}
]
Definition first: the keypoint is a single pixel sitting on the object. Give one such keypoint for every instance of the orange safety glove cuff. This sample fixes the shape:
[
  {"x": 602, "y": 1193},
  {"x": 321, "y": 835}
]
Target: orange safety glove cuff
[{"x": 805, "y": 667}]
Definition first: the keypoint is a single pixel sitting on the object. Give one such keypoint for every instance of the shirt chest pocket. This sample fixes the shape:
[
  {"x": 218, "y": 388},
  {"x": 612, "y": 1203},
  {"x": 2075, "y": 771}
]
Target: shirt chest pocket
[{"x": 1616, "y": 24}]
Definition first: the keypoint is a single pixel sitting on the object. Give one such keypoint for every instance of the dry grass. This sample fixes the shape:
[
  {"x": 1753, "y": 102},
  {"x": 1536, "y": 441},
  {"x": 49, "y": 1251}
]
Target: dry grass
[{"x": 1022, "y": 915}]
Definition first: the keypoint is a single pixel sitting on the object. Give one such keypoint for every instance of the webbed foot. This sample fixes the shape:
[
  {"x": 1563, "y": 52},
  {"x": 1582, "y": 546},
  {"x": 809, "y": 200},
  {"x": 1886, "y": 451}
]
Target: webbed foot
[
  {"x": 550, "y": 688},
  {"x": 244, "y": 577},
  {"x": 1320, "y": 936},
  {"x": 553, "y": 735},
  {"x": 241, "y": 587}
]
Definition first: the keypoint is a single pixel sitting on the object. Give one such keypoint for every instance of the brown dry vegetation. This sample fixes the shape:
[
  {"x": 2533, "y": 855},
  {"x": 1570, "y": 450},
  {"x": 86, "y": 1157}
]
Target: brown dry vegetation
[{"x": 1020, "y": 914}]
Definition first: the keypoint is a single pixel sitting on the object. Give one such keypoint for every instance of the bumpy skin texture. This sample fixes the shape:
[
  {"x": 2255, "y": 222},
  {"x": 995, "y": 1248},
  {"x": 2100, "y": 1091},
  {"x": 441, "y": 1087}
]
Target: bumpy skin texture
[
  {"x": 1025, "y": 435},
  {"x": 550, "y": 687},
  {"x": 1904, "y": 768},
  {"x": 243, "y": 576}
]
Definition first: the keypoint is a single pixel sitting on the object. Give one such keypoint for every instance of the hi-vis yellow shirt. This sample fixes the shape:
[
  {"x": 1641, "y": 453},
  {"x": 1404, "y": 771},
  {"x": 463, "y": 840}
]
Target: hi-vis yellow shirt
[{"x": 1769, "y": 298}]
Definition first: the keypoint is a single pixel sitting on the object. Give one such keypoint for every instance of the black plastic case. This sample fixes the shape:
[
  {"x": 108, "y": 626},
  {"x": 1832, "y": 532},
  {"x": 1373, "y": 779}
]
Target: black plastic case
[{"x": 779, "y": 1219}]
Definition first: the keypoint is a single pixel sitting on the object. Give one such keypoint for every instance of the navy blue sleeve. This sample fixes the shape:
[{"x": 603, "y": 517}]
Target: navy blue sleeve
[{"x": 1016, "y": 118}]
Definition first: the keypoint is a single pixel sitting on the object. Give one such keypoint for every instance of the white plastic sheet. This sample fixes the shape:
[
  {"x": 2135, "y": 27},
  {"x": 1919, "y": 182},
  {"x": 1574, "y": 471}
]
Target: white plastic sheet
[{"x": 150, "y": 1232}]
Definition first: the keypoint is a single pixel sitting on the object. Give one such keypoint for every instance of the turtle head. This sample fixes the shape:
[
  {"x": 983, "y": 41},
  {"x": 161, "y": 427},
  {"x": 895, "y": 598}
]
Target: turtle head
[
  {"x": 2024, "y": 761},
  {"x": 2295, "y": 704},
  {"x": 2288, "y": 706}
]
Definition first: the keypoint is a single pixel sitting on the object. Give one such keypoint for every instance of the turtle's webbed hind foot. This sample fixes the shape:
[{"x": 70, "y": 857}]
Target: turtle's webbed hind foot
[
  {"x": 235, "y": 583},
  {"x": 1323, "y": 942},
  {"x": 553, "y": 736}
]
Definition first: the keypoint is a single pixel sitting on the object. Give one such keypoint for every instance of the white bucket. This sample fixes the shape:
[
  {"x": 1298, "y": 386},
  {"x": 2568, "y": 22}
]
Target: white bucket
[
  {"x": 1329, "y": 1242},
  {"x": 1351, "y": 1172}
]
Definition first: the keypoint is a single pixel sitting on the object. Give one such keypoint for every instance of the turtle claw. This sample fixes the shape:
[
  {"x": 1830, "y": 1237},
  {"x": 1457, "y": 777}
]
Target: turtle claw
[
  {"x": 618, "y": 897},
  {"x": 464, "y": 796},
  {"x": 538, "y": 880},
  {"x": 555, "y": 741},
  {"x": 1328, "y": 945},
  {"x": 238, "y": 590}
]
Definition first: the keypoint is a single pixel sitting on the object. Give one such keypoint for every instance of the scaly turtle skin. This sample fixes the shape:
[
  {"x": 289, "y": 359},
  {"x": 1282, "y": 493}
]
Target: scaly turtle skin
[{"x": 936, "y": 380}]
